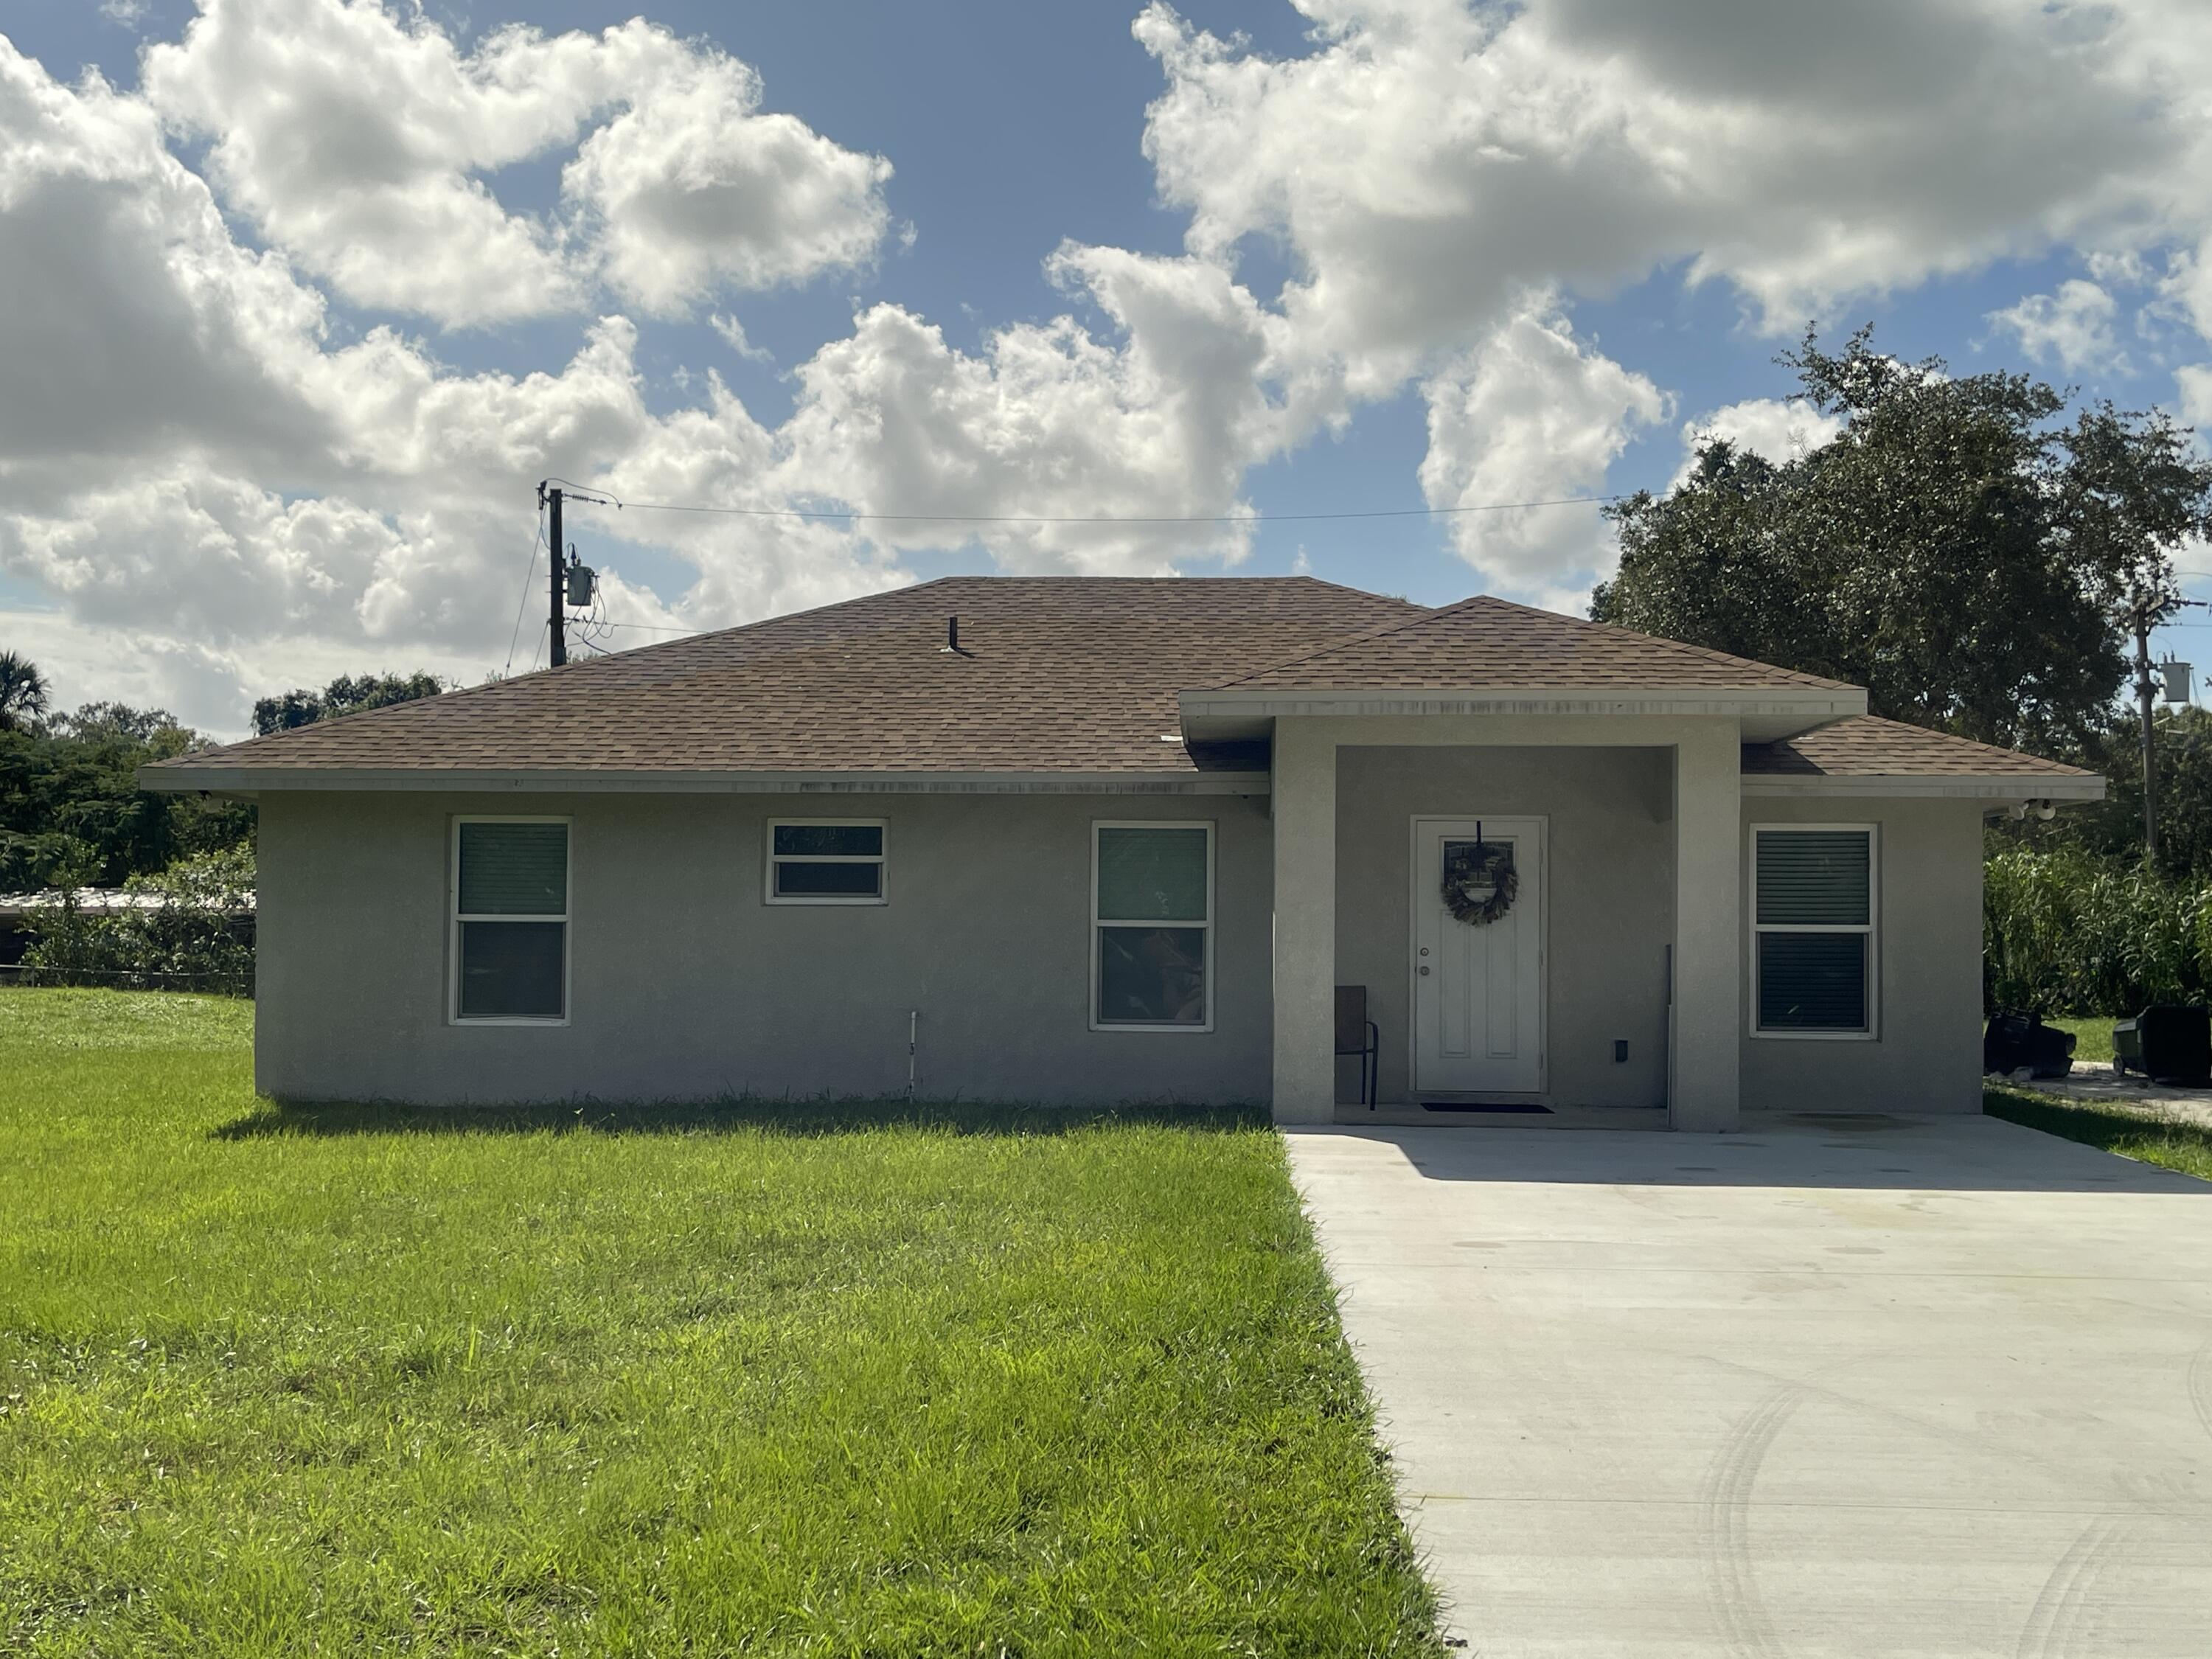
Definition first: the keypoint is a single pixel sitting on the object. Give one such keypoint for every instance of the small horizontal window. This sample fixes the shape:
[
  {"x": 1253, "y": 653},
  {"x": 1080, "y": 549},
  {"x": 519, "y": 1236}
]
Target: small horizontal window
[{"x": 825, "y": 862}]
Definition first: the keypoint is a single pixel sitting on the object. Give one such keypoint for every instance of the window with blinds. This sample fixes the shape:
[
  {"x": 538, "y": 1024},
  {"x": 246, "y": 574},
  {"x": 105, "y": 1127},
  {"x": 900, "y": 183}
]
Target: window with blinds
[
  {"x": 1813, "y": 909},
  {"x": 1151, "y": 926},
  {"x": 510, "y": 944}
]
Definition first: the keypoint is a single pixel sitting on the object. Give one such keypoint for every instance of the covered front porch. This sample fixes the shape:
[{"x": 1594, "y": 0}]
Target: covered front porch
[{"x": 1609, "y": 990}]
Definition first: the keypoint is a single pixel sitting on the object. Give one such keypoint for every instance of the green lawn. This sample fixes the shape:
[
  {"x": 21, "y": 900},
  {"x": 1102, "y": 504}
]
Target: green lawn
[
  {"x": 2132, "y": 1132},
  {"x": 787, "y": 1381},
  {"x": 2093, "y": 1039}
]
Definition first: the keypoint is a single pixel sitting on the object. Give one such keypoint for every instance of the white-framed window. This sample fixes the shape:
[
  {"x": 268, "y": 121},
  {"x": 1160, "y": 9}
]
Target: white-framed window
[
  {"x": 1151, "y": 926},
  {"x": 1815, "y": 907},
  {"x": 510, "y": 920},
  {"x": 826, "y": 861}
]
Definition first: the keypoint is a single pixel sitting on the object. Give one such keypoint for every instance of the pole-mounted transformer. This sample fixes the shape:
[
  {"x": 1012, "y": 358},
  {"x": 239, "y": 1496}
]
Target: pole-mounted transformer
[{"x": 573, "y": 584}]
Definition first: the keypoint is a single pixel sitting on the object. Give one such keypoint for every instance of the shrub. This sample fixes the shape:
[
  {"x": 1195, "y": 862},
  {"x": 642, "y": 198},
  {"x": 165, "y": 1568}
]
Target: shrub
[
  {"x": 2067, "y": 932},
  {"x": 195, "y": 935}
]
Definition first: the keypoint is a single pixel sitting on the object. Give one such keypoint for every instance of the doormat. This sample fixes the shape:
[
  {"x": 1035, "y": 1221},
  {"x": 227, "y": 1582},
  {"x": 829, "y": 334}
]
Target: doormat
[{"x": 1484, "y": 1106}]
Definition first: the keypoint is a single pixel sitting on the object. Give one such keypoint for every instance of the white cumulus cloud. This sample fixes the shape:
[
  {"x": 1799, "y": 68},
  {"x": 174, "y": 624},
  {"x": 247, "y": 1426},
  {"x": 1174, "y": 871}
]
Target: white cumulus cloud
[
  {"x": 2072, "y": 327},
  {"x": 215, "y": 475},
  {"x": 2193, "y": 386},
  {"x": 694, "y": 191},
  {"x": 1532, "y": 415},
  {"x": 201, "y": 478},
  {"x": 1431, "y": 159},
  {"x": 1780, "y": 428},
  {"x": 362, "y": 141}
]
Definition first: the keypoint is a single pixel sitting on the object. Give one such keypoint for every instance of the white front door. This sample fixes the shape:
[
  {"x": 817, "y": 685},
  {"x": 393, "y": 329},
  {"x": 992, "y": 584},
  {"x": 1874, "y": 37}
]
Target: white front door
[{"x": 1478, "y": 986}]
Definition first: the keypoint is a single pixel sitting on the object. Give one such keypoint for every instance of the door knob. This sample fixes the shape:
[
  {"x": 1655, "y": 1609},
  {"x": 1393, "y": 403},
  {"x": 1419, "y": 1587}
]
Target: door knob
[{"x": 1425, "y": 969}]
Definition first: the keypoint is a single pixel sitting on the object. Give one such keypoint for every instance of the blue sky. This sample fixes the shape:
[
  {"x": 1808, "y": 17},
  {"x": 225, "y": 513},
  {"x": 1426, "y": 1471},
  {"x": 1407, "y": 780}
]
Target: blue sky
[{"x": 1012, "y": 130}]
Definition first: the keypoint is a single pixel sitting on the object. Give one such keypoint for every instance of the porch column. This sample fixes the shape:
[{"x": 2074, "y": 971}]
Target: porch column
[
  {"x": 1708, "y": 929},
  {"x": 1305, "y": 807}
]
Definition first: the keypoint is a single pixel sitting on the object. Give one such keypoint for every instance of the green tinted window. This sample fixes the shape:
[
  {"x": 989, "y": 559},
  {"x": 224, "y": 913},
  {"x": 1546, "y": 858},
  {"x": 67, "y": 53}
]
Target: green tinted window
[
  {"x": 847, "y": 841},
  {"x": 1151, "y": 875},
  {"x": 1151, "y": 975},
  {"x": 515, "y": 869},
  {"x": 1812, "y": 982},
  {"x": 800, "y": 879},
  {"x": 1813, "y": 877},
  {"x": 513, "y": 970}
]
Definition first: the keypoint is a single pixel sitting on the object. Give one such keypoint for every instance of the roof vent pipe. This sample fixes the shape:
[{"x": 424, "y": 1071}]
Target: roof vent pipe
[{"x": 951, "y": 645}]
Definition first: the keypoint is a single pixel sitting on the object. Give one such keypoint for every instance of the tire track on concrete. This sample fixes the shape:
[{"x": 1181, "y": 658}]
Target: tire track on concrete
[
  {"x": 2200, "y": 1385},
  {"x": 2054, "y": 1623},
  {"x": 1724, "y": 1505}
]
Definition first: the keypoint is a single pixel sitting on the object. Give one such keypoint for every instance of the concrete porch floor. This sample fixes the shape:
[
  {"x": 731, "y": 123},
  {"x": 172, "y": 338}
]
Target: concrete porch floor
[
  {"x": 1930, "y": 1386},
  {"x": 1557, "y": 1117}
]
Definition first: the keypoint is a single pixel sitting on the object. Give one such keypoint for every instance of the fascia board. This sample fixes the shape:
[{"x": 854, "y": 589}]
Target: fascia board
[{"x": 272, "y": 780}]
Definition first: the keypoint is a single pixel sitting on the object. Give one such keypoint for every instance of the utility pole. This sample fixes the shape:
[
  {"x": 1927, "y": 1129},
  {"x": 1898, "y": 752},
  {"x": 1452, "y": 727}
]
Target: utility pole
[
  {"x": 557, "y": 624},
  {"x": 2144, "y": 697}
]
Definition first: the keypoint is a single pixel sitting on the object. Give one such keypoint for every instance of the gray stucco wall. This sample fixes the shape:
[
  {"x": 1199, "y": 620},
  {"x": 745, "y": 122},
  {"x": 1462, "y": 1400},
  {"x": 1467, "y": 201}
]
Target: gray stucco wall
[
  {"x": 685, "y": 985},
  {"x": 1610, "y": 905},
  {"x": 1927, "y": 1054},
  {"x": 1610, "y": 897}
]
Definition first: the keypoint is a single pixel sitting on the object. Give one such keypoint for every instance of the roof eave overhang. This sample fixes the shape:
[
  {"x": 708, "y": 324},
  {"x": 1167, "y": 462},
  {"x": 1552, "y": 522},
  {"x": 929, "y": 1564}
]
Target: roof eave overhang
[
  {"x": 1767, "y": 714},
  {"x": 1990, "y": 786},
  {"x": 255, "y": 781}
]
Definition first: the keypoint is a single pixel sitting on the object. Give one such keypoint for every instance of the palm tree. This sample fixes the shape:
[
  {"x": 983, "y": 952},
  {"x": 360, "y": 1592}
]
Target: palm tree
[{"x": 23, "y": 691}]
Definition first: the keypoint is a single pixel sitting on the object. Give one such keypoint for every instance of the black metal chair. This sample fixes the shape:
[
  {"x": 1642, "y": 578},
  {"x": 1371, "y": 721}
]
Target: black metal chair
[{"x": 1355, "y": 1033}]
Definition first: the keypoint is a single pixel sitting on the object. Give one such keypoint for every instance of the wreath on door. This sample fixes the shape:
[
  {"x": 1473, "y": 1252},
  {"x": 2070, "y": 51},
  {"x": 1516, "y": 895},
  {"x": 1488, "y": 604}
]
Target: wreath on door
[{"x": 1480, "y": 881}]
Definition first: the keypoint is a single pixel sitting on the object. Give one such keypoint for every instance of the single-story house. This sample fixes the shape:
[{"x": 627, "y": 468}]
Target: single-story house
[{"x": 1069, "y": 839}]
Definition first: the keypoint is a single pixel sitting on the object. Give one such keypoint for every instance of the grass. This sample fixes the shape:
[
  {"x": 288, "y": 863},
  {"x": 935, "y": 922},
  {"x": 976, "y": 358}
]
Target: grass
[
  {"x": 2132, "y": 1132},
  {"x": 898, "y": 1383},
  {"x": 2093, "y": 1039}
]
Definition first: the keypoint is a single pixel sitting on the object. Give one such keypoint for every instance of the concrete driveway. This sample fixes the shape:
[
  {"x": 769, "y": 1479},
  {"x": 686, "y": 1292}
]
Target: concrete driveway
[{"x": 1830, "y": 1386}]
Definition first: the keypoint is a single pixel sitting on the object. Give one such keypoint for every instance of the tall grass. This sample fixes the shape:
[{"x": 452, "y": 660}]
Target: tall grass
[{"x": 2070, "y": 932}]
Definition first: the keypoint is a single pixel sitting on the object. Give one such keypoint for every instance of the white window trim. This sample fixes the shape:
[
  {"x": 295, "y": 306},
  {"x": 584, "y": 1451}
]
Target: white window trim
[
  {"x": 1872, "y": 930},
  {"x": 455, "y": 918},
  {"x": 769, "y": 859},
  {"x": 1212, "y": 968}
]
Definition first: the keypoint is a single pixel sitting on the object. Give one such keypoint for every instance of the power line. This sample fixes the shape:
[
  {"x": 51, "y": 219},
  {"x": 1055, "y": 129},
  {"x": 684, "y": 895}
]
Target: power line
[
  {"x": 516, "y": 636},
  {"x": 853, "y": 517}
]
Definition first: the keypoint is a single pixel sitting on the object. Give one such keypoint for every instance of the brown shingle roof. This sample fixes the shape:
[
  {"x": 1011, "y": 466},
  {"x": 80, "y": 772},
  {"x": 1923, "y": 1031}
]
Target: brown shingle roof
[
  {"x": 1057, "y": 675},
  {"x": 1485, "y": 643},
  {"x": 1867, "y": 746},
  {"x": 1061, "y": 674}
]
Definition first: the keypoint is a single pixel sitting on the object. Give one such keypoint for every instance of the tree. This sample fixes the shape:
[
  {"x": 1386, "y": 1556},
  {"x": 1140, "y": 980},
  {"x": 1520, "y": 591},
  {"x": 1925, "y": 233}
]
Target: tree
[
  {"x": 157, "y": 728},
  {"x": 1969, "y": 563},
  {"x": 346, "y": 695},
  {"x": 2111, "y": 828},
  {"x": 23, "y": 691},
  {"x": 72, "y": 810}
]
